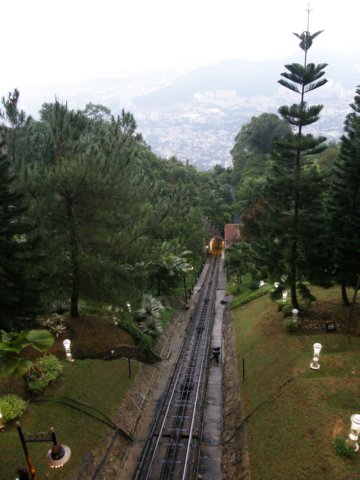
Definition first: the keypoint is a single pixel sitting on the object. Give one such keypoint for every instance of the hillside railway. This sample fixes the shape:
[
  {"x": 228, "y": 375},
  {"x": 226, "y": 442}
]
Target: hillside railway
[{"x": 173, "y": 446}]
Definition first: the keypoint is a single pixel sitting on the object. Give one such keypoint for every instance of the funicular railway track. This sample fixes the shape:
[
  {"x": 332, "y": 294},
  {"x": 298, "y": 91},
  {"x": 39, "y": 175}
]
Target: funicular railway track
[{"x": 173, "y": 445}]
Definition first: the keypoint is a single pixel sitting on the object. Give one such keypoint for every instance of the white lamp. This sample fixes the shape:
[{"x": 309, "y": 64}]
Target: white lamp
[
  {"x": 67, "y": 344},
  {"x": 315, "y": 365},
  {"x": 354, "y": 432},
  {"x": 2, "y": 423},
  {"x": 58, "y": 455}
]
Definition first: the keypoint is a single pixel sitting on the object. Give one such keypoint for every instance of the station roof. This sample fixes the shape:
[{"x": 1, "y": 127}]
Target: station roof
[{"x": 232, "y": 234}]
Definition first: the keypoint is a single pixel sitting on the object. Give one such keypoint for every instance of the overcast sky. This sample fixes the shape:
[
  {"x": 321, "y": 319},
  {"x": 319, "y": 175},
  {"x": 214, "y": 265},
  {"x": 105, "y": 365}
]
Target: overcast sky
[{"x": 47, "y": 42}]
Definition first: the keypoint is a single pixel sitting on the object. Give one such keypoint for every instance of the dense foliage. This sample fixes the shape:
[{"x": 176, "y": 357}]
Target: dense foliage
[
  {"x": 345, "y": 204},
  {"x": 112, "y": 220}
]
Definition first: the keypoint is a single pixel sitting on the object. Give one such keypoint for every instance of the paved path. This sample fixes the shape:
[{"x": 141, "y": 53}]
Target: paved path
[{"x": 211, "y": 453}]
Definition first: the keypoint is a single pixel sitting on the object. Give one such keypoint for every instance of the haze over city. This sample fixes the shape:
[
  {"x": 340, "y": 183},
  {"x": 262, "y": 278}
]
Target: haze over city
[
  {"x": 55, "y": 42},
  {"x": 192, "y": 73}
]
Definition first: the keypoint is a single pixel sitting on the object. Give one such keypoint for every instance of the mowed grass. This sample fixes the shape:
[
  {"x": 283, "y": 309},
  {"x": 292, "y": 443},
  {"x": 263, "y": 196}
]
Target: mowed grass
[
  {"x": 97, "y": 383},
  {"x": 294, "y": 413}
]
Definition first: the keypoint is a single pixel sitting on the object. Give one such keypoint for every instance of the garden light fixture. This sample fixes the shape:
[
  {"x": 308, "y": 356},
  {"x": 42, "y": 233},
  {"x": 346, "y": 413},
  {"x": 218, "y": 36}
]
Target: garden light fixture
[
  {"x": 315, "y": 365},
  {"x": 2, "y": 423},
  {"x": 354, "y": 432},
  {"x": 67, "y": 344},
  {"x": 284, "y": 295},
  {"x": 57, "y": 456}
]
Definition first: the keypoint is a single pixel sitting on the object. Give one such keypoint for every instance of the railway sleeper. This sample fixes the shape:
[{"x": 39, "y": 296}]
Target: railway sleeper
[
  {"x": 185, "y": 436},
  {"x": 186, "y": 386}
]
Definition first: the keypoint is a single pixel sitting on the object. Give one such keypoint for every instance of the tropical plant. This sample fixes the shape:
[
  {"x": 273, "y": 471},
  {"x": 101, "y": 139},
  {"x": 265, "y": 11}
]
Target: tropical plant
[
  {"x": 171, "y": 265},
  {"x": 149, "y": 315},
  {"x": 43, "y": 371},
  {"x": 12, "y": 344},
  {"x": 55, "y": 323},
  {"x": 12, "y": 407}
]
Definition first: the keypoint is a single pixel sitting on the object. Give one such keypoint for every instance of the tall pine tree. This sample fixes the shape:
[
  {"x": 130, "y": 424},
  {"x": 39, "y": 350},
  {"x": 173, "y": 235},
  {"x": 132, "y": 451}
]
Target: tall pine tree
[
  {"x": 294, "y": 192},
  {"x": 345, "y": 203},
  {"x": 18, "y": 287}
]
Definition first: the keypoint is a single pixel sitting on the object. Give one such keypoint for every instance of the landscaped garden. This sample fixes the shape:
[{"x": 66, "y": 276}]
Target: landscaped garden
[
  {"x": 85, "y": 389},
  {"x": 295, "y": 416}
]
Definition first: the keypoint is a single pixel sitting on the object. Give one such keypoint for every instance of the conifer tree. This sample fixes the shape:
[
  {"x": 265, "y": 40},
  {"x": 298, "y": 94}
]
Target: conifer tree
[
  {"x": 294, "y": 192},
  {"x": 345, "y": 203},
  {"x": 18, "y": 288}
]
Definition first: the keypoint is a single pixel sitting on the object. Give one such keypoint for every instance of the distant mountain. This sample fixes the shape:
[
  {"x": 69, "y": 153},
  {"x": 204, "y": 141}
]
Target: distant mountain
[
  {"x": 246, "y": 77},
  {"x": 196, "y": 116}
]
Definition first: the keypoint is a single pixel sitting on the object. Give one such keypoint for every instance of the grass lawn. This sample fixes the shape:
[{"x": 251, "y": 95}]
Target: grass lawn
[
  {"x": 97, "y": 383},
  {"x": 296, "y": 413}
]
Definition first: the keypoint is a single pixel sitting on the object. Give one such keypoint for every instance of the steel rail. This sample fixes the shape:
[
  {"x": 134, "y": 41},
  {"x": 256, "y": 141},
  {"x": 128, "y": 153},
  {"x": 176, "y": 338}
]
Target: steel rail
[
  {"x": 197, "y": 355},
  {"x": 195, "y": 350},
  {"x": 202, "y": 367},
  {"x": 167, "y": 395}
]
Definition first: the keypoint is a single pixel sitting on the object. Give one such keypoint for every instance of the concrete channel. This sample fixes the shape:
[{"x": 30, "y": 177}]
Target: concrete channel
[{"x": 121, "y": 463}]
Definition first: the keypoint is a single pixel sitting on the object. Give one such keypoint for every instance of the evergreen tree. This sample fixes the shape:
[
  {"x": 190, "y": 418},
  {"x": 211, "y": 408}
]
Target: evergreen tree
[
  {"x": 294, "y": 193},
  {"x": 345, "y": 203},
  {"x": 15, "y": 121},
  {"x": 18, "y": 287}
]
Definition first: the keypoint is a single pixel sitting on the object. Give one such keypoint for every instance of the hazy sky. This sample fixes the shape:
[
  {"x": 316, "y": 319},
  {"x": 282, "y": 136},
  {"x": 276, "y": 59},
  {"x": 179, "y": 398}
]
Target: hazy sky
[{"x": 51, "y": 41}]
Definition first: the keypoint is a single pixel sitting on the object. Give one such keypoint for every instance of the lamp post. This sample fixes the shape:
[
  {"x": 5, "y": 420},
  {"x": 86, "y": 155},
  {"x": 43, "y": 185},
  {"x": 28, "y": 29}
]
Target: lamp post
[
  {"x": 185, "y": 290},
  {"x": 67, "y": 345},
  {"x": 314, "y": 364},
  {"x": 354, "y": 432},
  {"x": 57, "y": 456},
  {"x": 184, "y": 272}
]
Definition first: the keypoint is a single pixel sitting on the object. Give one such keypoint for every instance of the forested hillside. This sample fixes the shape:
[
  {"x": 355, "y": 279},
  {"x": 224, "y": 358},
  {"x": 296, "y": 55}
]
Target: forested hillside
[
  {"x": 101, "y": 218},
  {"x": 298, "y": 197}
]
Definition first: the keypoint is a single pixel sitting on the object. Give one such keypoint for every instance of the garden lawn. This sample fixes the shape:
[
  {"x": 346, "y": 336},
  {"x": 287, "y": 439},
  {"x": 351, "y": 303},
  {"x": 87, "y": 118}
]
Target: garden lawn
[
  {"x": 100, "y": 384},
  {"x": 294, "y": 413}
]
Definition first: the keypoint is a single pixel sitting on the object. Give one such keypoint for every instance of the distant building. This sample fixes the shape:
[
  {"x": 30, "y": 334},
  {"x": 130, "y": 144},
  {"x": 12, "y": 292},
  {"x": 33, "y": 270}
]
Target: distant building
[
  {"x": 232, "y": 234},
  {"x": 224, "y": 94}
]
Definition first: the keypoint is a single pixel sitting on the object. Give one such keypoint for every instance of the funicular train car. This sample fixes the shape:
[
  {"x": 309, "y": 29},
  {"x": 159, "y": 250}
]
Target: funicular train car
[{"x": 216, "y": 246}]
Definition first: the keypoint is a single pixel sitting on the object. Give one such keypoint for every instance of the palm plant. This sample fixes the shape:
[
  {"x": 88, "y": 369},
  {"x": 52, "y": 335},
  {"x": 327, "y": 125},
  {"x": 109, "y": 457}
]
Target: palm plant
[
  {"x": 172, "y": 265},
  {"x": 149, "y": 315}
]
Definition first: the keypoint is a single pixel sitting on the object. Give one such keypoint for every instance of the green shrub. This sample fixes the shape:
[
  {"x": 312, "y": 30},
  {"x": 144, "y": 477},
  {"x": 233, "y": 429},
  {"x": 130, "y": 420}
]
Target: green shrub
[
  {"x": 12, "y": 406},
  {"x": 248, "y": 296},
  {"x": 145, "y": 341},
  {"x": 291, "y": 325},
  {"x": 44, "y": 371},
  {"x": 342, "y": 448}
]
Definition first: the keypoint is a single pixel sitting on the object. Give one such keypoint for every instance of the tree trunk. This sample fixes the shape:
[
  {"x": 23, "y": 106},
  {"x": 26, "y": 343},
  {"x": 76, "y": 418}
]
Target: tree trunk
[
  {"x": 294, "y": 245},
  {"x": 75, "y": 260},
  {"x": 349, "y": 319},
  {"x": 344, "y": 296}
]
